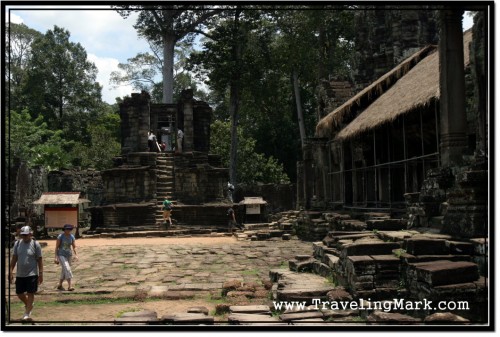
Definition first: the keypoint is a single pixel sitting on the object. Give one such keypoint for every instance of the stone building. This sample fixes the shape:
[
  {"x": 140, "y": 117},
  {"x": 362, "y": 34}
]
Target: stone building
[
  {"x": 405, "y": 144},
  {"x": 193, "y": 179}
]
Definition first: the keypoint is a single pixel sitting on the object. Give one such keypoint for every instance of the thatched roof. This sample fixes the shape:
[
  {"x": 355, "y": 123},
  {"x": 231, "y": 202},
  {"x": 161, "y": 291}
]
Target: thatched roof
[
  {"x": 414, "y": 87},
  {"x": 60, "y": 198}
]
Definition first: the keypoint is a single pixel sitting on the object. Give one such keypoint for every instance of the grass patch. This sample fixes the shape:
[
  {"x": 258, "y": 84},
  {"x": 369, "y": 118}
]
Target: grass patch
[
  {"x": 121, "y": 312},
  {"x": 251, "y": 272}
]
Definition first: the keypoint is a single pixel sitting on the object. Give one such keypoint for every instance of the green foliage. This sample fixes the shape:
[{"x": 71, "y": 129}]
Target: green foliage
[
  {"x": 31, "y": 140},
  {"x": 60, "y": 80},
  {"x": 314, "y": 42},
  {"x": 253, "y": 167}
]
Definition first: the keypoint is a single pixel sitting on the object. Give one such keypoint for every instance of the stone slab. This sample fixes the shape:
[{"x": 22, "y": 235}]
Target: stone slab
[
  {"x": 251, "y": 318},
  {"x": 188, "y": 319},
  {"x": 423, "y": 246},
  {"x": 250, "y": 309},
  {"x": 372, "y": 248},
  {"x": 446, "y": 272},
  {"x": 300, "y": 316}
]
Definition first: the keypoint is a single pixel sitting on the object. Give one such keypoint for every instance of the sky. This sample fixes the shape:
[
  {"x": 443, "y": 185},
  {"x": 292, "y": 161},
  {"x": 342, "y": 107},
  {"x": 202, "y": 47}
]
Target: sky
[{"x": 107, "y": 38}]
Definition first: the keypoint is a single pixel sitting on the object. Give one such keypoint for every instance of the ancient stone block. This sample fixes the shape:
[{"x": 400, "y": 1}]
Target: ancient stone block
[
  {"x": 446, "y": 272},
  {"x": 188, "y": 319},
  {"x": 460, "y": 248},
  {"x": 198, "y": 310},
  {"x": 360, "y": 265},
  {"x": 421, "y": 246},
  {"x": 391, "y": 318},
  {"x": 375, "y": 248},
  {"x": 300, "y": 315},
  {"x": 446, "y": 318},
  {"x": 250, "y": 309},
  {"x": 251, "y": 318}
]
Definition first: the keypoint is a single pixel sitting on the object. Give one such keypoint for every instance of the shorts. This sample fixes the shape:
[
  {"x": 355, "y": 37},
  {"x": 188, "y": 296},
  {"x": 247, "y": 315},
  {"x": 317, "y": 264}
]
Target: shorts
[
  {"x": 166, "y": 213},
  {"x": 27, "y": 284}
]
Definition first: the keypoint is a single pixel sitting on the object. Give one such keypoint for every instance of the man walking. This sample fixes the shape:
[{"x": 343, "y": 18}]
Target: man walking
[{"x": 27, "y": 254}]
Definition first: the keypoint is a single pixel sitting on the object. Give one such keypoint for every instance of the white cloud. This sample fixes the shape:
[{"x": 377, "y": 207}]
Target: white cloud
[
  {"x": 107, "y": 38},
  {"x": 105, "y": 66},
  {"x": 14, "y": 18}
]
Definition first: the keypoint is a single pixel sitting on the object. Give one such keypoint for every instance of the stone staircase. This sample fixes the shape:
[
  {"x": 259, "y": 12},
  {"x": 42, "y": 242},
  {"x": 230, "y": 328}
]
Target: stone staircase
[
  {"x": 375, "y": 258},
  {"x": 164, "y": 182}
]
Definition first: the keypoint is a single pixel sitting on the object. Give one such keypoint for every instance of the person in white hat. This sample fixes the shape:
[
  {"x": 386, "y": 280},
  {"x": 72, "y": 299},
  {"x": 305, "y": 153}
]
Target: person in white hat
[{"x": 27, "y": 255}]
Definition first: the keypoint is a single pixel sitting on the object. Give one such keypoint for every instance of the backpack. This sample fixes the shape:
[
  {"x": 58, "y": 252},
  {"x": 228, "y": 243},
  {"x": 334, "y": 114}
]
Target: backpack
[{"x": 167, "y": 205}]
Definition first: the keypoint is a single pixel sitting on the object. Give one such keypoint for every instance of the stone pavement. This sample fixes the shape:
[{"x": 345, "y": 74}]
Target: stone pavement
[{"x": 170, "y": 270}]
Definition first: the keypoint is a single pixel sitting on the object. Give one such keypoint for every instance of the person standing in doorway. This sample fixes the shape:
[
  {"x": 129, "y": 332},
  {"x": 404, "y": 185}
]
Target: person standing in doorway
[
  {"x": 27, "y": 255},
  {"x": 65, "y": 241},
  {"x": 151, "y": 141},
  {"x": 180, "y": 137}
]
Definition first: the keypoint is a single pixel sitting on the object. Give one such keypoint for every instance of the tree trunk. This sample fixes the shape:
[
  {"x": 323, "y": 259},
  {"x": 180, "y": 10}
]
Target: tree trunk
[
  {"x": 168, "y": 68},
  {"x": 234, "y": 100},
  {"x": 298, "y": 102}
]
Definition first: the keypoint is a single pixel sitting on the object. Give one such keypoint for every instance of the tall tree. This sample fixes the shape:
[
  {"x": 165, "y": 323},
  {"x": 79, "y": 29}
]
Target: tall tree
[
  {"x": 19, "y": 39},
  {"x": 141, "y": 71},
  {"x": 60, "y": 79},
  {"x": 166, "y": 25}
]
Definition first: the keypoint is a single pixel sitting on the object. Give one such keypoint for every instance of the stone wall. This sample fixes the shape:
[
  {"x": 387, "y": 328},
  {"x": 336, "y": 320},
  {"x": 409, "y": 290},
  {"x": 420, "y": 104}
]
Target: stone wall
[
  {"x": 88, "y": 182},
  {"x": 196, "y": 181},
  {"x": 129, "y": 184},
  {"x": 135, "y": 123},
  {"x": 386, "y": 37}
]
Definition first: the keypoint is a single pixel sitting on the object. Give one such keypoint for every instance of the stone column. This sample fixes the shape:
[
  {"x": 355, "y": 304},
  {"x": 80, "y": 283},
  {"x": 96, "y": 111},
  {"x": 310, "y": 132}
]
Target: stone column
[
  {"x": 187, "y": 106},
  {"x": 452, "y": 87}
]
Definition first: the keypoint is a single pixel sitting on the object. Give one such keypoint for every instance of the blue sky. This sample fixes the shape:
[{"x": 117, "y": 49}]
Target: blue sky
[{"x": 106, "y": 36}]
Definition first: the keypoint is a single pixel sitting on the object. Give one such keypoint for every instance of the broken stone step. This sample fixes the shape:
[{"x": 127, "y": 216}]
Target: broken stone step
[
  {"x": 460, "y": 248},
  {"x": 351, "y": 225},
  {"x": 386, "y": 224},
  {"x": 301, "y": 265},
  {"x": 139, "y": 317},
  {"x": 422, "y": 246},
  {"x": 305, "y": 294},
  {"x": 408, "y": 258},
  {"x": 370, "y": 248},
  {"x": 250, "y": 309},
  {"x": 331, "y": 261},
  {"x": 301, "y": 316},
  {"x": 380, "y": 317},
  {"x": 376, "y": 215},
  {"x": 251, "y": 318},
  {"x": 188, "y": 319},
  {"x": 322, "y": 269},
  {"x": 445, "y": 272},
  {"x": 254, "y": 226}
]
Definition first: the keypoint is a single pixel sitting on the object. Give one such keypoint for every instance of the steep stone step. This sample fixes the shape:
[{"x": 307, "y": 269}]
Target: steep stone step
[
  {"x": 369, "y": 248},
  {"x": 445, "y": 272},
  {"x": 386, "y": 224},
  {"x": 351, "y": 225},
  {"x": 424, "y": 246},
  {"x": 302, "y": 287},
  {"x": 254, "y": 226}
]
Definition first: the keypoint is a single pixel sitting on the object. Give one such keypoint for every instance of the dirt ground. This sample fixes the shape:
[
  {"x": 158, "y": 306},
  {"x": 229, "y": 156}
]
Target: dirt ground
[
  {"x": 101, "y": 312},
  {"x": 97, "y": 242}
]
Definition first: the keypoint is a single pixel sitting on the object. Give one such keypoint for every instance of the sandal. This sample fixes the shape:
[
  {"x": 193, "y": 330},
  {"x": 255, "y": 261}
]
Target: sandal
[
  {"x": 60, "y": 288},
  {"x": 71, "y": 289}
]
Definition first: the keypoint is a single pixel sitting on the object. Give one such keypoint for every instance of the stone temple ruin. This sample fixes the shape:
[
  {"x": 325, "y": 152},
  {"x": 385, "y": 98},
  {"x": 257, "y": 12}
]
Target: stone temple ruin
[
  {"x": 391, "y": 192},
  {"x": 134, "y": 189}
]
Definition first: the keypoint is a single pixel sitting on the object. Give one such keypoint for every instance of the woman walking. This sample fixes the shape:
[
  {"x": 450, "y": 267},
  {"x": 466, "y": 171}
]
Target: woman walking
[{"x": 63, "y": 255}]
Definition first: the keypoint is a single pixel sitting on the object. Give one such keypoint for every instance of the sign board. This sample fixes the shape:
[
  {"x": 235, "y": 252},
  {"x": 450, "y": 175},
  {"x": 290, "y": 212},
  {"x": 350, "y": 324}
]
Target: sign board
[
  {"x": 57, "y": 217},
  {"x": 252, "y": 209}
]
